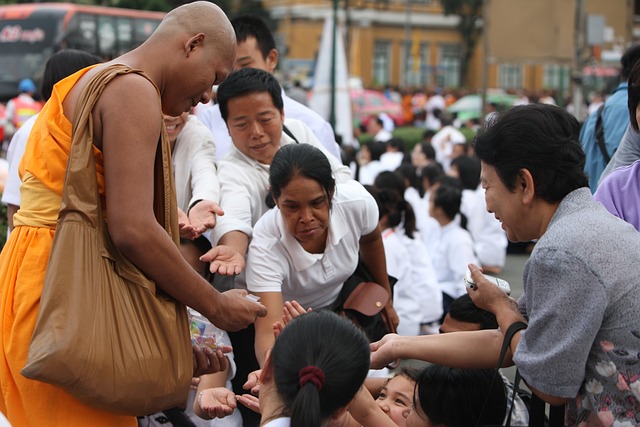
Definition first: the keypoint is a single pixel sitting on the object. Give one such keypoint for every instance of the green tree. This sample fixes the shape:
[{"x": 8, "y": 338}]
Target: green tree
[{"x": 470, "y": 13}]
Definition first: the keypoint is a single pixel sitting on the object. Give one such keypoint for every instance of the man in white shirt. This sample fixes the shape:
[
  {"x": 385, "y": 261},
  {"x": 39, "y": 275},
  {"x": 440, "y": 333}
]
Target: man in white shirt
[
  {"x": 251, "y": 104},
  {"x": 375, "y": 128},
  {"x": 444, "y": 140},
  {"x": 256, "y": 48}
]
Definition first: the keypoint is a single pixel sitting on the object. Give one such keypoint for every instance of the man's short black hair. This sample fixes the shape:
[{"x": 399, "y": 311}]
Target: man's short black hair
[
  {"x": 252, "y": 26},
  {"x": 244, "y": 82}
]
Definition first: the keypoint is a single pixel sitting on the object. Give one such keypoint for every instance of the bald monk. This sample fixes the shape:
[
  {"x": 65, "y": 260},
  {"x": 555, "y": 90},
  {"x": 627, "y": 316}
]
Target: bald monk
[{"x": 192, "y": 50}]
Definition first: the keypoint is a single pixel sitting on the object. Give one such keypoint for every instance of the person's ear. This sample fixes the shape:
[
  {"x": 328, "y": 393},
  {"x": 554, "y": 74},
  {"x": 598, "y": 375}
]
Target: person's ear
[
  {"x": 272, "y": 60},
  {"x": 341, "y": 412},
  {"x": 193, "y": 42},
  {"x": 526, "y": 185},
  {"x": 274, "y": 199}
]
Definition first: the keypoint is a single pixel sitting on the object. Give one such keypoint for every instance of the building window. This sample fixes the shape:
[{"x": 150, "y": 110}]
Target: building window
[
  {"x": 381, "y": 62},
  {"x": 510, "y": 76},
  {"x": 417, "y": 71},
  {"x": 556, "y": 76},
  {"x": 426, "y": 69},
  {"x": 448, "y": 72}
]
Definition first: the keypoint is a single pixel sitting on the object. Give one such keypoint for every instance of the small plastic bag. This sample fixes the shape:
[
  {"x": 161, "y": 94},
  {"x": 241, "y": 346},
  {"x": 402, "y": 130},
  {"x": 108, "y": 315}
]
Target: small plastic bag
[{"x": 203, "y": 333}]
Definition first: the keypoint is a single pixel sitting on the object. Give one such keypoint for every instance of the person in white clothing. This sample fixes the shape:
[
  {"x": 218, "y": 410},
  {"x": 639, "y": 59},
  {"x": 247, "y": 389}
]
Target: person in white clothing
[
  {"x": 413, "y": 235},
  {"x": 311, "y": 242},
  {"x": 393, "y": 156},
  {"x": 251, "y": 104},
  {"x": 451, "y": 246},
  {"x": 416, "y": 294},
  {"x": 489, "y": 239},
  {"x": 60, "y": 65},
  {"x": 256, "y": 48},
  {"x": 443, "y": 142},
  {"x": 193, "y": 154},
  {"x": 435, "y": 107},
  {"x": 375, "y": 128},
  {"x": 387, "y": 122},
  {"x": 367, "y": 164}
]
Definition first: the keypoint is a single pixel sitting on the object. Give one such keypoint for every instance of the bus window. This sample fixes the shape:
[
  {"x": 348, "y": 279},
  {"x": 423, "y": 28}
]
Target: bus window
[
  {"x": 81, "y": 34},
  {"x": 125, "y": 35},
  {"x": 107, "y": 37}
]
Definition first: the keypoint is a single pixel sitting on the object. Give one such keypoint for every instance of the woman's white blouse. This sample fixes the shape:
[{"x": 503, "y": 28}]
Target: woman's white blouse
[{"x": 276, "y": 262}]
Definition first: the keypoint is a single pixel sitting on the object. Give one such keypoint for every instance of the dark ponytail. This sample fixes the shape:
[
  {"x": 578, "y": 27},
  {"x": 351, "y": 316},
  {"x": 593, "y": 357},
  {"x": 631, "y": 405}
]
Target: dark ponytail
[
  {"x": 319, "y": 362},
  {"x": 396, "y": 208},
  {"x": 305, "y": 408}
]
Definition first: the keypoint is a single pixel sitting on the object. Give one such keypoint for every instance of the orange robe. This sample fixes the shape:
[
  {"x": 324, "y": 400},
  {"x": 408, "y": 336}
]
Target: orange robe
[{"x": 23, "y": 263}]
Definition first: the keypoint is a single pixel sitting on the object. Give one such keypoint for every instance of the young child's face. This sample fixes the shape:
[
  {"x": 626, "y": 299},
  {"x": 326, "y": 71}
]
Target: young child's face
[{"x": 395, "y": 399}]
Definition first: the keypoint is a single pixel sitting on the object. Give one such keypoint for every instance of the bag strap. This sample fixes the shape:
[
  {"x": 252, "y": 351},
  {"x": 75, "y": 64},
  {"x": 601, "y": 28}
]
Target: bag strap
[
  {"x": 82, "y": 197},
  {"x": 600, "y": 135},
  {"x": 286, "y": 130},
  {"x": 514, "y": 392},
  {"x": 508, "y": 335}
]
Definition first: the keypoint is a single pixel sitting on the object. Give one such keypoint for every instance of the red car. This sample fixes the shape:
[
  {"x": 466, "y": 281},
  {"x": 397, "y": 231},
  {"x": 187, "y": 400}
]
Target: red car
[{"x": 368, "y": 103}]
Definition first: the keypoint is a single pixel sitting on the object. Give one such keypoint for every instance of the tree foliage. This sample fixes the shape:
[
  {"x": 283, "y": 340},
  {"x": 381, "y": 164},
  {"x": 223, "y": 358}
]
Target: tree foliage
[{"x": 470, "y": 13}]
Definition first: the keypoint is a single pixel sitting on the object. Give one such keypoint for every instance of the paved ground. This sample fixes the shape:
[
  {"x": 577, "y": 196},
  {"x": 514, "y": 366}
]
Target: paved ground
[{"x": 512, "y": 273}]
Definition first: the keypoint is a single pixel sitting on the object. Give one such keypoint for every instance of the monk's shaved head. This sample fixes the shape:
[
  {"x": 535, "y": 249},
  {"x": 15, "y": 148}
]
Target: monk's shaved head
[{"x": 198, "y": 17}]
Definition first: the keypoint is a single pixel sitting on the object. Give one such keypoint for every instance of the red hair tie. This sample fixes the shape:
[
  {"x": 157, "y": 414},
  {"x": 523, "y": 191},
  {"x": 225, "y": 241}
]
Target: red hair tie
[{"x": 313, "y": 374}]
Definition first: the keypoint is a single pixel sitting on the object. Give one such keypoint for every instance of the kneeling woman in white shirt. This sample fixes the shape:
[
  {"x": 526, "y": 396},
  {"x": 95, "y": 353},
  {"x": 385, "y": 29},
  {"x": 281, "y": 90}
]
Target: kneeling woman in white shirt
[{"x": 307, "y": 246}]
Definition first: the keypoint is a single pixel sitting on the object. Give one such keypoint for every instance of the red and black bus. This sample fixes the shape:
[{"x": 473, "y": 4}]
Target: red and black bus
[{"x": 30, "y": 33}]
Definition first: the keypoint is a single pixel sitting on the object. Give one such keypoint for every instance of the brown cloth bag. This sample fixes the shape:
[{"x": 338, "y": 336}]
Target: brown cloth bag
[{"x": 104, "y": 333}]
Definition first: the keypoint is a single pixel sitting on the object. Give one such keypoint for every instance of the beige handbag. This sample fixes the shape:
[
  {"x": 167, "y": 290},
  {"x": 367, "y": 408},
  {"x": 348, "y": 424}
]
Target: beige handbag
[{"x": 104, "y": 333}]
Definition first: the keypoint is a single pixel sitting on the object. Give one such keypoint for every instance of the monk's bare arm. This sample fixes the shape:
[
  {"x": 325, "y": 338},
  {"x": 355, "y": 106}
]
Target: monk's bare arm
[{"x": 129, "y": 121}]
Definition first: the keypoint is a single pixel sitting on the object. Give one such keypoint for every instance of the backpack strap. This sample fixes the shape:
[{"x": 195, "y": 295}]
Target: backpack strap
[{"x": 600, "y": 135}]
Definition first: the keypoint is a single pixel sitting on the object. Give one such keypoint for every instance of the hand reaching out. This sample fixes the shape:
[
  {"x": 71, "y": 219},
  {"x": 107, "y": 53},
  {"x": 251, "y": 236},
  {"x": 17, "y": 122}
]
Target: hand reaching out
[
  {"x": 253, "y": 382},
  {"x": 187, "y": 231},
  {"x": 202, "y": 215},
  {"x": 208, "y": 361},
  {"x": 217, "y": 402},
  {"x": 291, "y": 310},
  {"x": 382, "y": 352},
  {"x": 224, "y": 260},
  {"x": 250, "y": 401}
]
